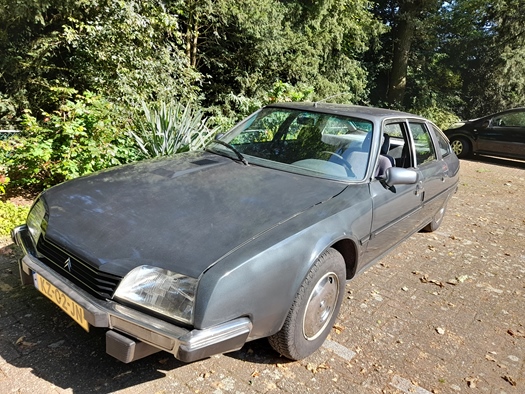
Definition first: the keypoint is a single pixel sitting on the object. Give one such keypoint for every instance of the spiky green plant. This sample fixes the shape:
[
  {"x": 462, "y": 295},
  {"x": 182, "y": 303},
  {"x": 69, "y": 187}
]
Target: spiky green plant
[{"x": 169, "y": 128}]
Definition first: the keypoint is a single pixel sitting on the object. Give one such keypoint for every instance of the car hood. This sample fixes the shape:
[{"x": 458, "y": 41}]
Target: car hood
[{"x": 182, "y": 213}]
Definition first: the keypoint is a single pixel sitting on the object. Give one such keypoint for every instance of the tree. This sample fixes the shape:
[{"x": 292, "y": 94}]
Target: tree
[
  {"x": 129, "y": 50},
  {"x": 244, "y": 47},
  {"x": 485, "y": 44},
  {"x": 408, "y": 20}
]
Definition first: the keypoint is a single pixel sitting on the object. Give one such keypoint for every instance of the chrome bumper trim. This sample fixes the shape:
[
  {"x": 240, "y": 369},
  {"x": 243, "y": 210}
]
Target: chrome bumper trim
[{"x": 186, "y": 345}]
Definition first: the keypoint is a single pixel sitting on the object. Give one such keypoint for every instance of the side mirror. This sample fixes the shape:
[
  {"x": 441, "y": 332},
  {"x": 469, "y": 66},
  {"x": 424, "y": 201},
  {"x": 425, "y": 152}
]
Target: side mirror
[{"x": 400, "y": 176}]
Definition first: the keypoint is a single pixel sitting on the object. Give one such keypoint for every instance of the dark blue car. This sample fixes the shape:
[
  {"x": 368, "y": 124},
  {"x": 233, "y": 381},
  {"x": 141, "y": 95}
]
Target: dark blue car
[{"x": 501, "y": 134}]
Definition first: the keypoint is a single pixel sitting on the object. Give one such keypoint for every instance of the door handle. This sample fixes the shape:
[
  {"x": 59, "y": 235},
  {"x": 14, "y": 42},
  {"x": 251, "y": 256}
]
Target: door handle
[{"x": 419, "y": 188}]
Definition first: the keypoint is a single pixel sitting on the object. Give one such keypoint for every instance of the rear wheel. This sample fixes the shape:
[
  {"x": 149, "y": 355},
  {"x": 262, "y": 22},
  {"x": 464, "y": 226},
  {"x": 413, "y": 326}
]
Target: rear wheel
[
  {"x": 436, "y": 220},
  {"x": 461, "y": 147},
  {"x": 315, "y": 308}
]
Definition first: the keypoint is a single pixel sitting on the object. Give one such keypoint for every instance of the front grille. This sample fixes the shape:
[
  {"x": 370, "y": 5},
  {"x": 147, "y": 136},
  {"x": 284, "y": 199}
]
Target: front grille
[{"x": 99, "y": 284}]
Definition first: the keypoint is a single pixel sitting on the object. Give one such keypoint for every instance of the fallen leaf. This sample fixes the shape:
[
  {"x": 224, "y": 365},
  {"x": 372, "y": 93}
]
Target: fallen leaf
[
  {"x": 509, "y": 379},
  {"x": 471, "y": 382},
  {"x": 255, "y": 374},
  {"x": 338, "y": 328},
  {"x": 517, "y": 334},
  {"x": 462, "y": 278},
  {"x": 424, "y": 279},
  {"x": 490, "y": 358}
]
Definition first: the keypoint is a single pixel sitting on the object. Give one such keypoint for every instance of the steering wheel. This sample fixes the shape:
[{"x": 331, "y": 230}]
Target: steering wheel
[{"x": 342, "y": 162}]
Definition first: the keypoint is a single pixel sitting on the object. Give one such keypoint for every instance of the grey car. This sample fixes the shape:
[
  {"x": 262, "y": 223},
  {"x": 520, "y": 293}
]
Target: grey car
[{"x": 256, "y": 236}]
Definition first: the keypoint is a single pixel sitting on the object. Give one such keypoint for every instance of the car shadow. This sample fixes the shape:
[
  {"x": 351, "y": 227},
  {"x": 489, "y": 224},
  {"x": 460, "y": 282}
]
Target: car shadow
[
  {"x": 497, "y": 161},
  {"x": 36, "y": 335}
]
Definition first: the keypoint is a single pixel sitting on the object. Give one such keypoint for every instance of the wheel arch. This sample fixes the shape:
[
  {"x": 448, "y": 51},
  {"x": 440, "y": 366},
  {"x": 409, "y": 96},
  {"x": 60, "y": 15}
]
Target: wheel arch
[
  {"x": 348, "y": 250},
  {"x": 462, "y": 135}
]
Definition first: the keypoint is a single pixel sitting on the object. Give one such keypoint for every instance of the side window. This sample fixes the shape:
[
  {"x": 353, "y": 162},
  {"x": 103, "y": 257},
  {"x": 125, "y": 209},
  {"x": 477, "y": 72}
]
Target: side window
[
  {"x": 513, "y": 119},
  {"x": 442, "y": 142},
  {"x": 399, "y": 147},
  {"x": 423, "y": 143}
]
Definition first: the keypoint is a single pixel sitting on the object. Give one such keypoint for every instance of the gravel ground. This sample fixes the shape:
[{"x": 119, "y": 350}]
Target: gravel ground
[{"x": 443, "y": 313}]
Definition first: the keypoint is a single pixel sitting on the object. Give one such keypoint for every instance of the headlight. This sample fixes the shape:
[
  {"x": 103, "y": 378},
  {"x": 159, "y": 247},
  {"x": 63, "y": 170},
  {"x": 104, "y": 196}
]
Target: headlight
[
  {"x": 36, "y": 220},
  {"x": 159, "y": 290}
]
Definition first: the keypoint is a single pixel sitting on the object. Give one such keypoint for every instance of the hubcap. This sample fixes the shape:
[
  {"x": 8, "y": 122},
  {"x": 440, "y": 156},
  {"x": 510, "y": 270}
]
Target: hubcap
[
  {"x": 457, "y": 147},
  {"x": 320, "y": 306}
]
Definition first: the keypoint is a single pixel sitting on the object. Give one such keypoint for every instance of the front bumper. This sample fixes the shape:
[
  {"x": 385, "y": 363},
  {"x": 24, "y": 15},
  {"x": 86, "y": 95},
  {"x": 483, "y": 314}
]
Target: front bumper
[{"x": 134, "y": 334}]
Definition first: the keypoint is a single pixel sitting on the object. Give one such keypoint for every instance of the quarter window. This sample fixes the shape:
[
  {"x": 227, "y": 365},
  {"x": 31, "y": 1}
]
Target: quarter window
[
  {"x": 425, "y": 151},
  {"x": 442, "y": 142}
]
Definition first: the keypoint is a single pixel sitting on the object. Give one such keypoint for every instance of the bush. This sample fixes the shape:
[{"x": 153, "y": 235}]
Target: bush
[
  {"x": 80, "y": 137},
  {"x": 441, "y": 117},
  {"x": 11, "y": 216},
  {"x": 169, "y": 128}
]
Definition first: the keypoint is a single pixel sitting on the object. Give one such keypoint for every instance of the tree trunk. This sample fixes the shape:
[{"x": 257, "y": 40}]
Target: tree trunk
[{"x": 403, "y": 37}]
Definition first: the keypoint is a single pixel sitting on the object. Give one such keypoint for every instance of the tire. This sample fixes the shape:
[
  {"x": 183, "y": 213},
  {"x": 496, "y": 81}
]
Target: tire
[
  {"x": 315, "y": 308},
  {"x": 436, "y": 220},
  {"x": 461, "y": 147}
]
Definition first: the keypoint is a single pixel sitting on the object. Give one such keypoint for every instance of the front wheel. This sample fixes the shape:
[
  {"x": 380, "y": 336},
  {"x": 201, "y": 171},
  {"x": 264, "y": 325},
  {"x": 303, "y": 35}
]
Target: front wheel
[
  {"x": 314, "y": 310},
  {"x": 461, "y": 147}
]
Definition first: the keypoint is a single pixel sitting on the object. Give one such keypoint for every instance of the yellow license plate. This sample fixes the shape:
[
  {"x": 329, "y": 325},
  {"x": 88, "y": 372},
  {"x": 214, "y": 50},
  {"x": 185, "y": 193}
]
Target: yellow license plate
[{"x": 61, "y": 299}]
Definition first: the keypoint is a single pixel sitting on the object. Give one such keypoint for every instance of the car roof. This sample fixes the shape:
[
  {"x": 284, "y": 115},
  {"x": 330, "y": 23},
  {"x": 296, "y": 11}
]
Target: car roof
[
  {"x": 369, "y": 113},
  {"x": 506, "y": 111}
]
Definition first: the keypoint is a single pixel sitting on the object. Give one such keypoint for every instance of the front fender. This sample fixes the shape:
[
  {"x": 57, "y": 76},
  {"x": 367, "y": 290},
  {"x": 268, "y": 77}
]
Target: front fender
[{"x": 260, "y": 280}]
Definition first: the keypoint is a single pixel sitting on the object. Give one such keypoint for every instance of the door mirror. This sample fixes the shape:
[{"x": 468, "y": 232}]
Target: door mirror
[{"x": 400, "y": 176}]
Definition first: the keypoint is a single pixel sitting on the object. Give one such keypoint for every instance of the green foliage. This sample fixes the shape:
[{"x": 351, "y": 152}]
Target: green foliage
[
  {"x": 441, "y": 117},
  {"x": 243, "y": 47},
  {"x": 11, "y": 215},
  {"x": 4, "y": 179},
  {"x": 237, "y": 107},
  {"x": 80, "y": 137},
  {"x": 169, "y": 128},
  {"x": 128, "y": 50}
]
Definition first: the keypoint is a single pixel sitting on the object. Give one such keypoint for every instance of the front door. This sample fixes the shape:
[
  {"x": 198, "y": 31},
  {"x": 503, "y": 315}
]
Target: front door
[{"x": 396, "y": 210}]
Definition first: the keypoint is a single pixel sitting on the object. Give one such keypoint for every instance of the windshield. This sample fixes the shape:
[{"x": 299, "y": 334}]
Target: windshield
[{"x": 312, "y": 143}]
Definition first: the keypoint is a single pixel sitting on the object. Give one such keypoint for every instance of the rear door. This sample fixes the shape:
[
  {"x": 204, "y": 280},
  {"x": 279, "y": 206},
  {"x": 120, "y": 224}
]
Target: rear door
[
  {"x": 505, "y": 135},
  {"x": 433, "y": 171}
]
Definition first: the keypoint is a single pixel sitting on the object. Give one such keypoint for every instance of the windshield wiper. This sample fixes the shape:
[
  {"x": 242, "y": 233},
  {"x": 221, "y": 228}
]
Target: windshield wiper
[{"x": 232, "y": 148}]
